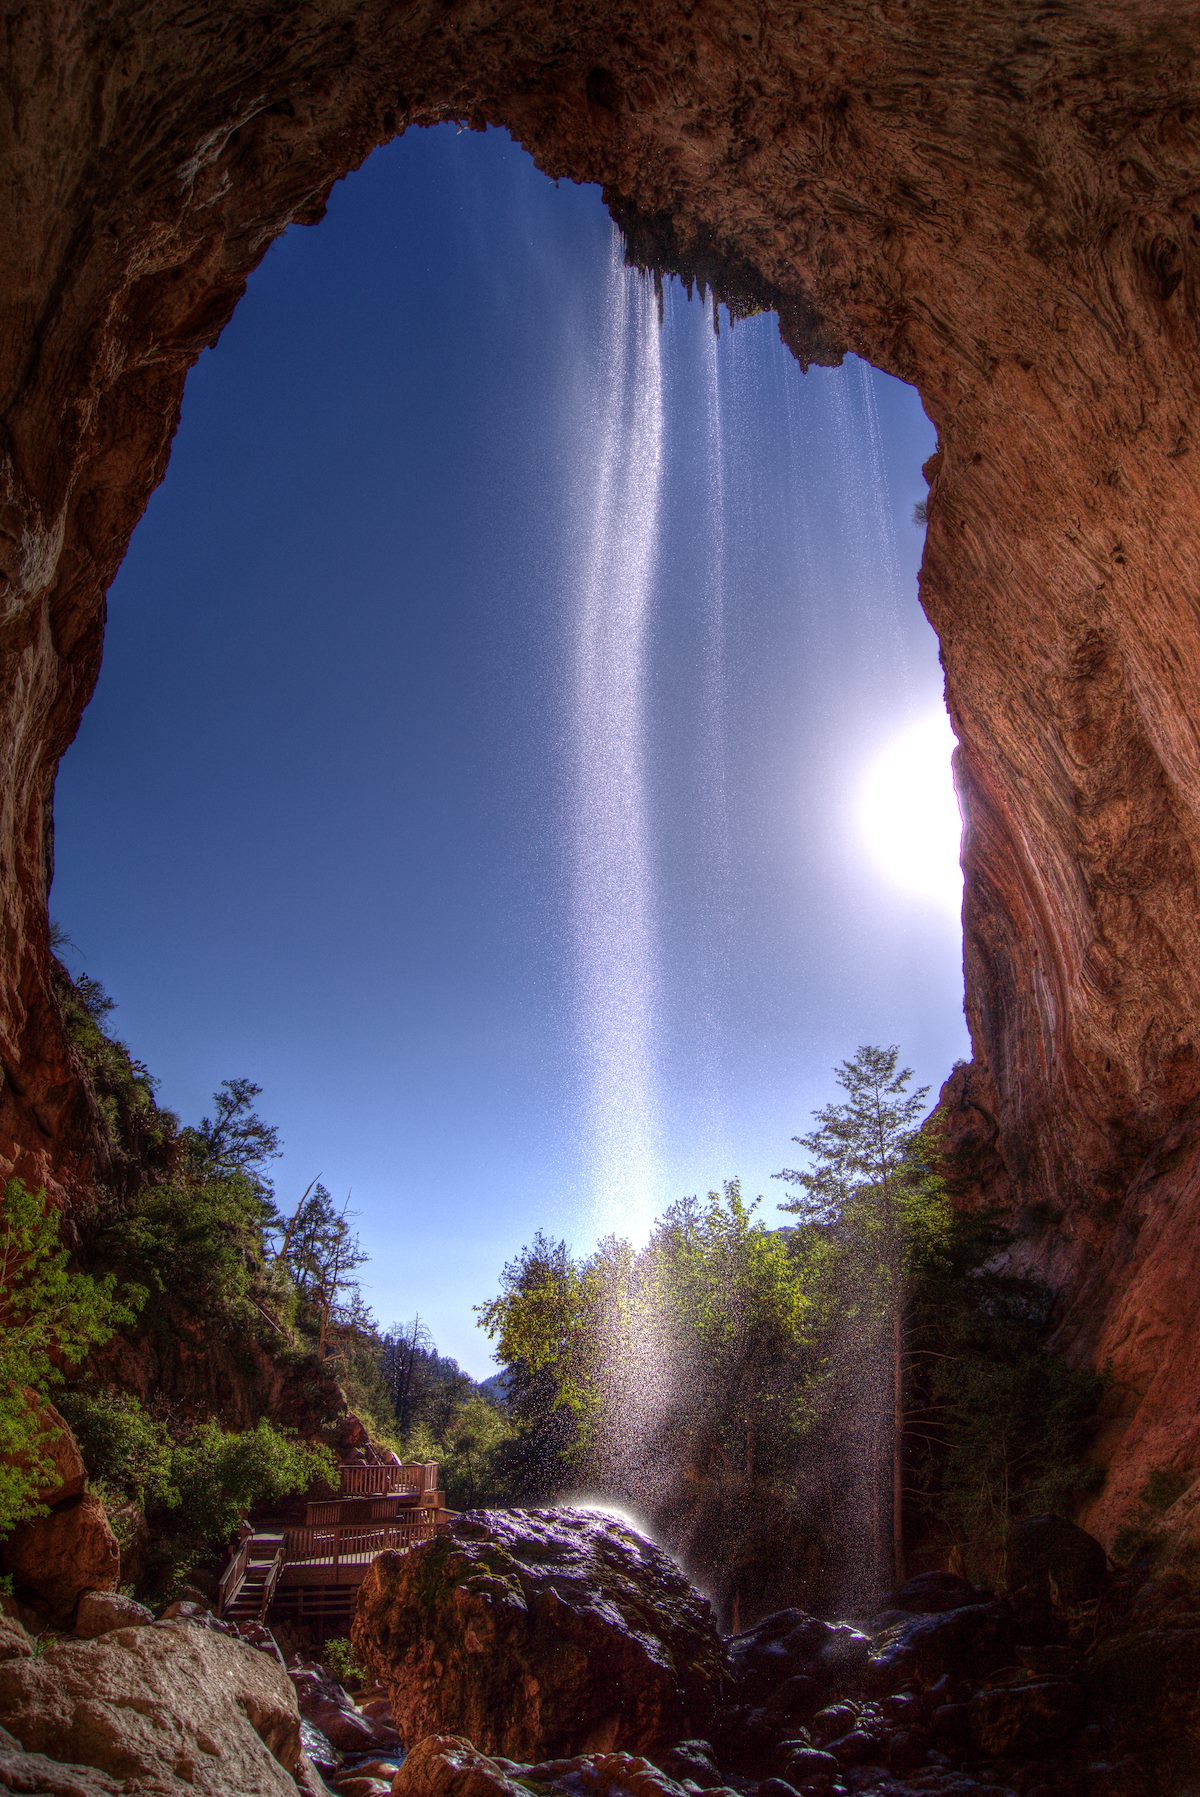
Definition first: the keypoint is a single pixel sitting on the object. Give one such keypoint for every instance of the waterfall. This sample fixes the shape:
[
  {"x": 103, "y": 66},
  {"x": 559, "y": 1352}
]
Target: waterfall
[{"x": 613, "y": 886}]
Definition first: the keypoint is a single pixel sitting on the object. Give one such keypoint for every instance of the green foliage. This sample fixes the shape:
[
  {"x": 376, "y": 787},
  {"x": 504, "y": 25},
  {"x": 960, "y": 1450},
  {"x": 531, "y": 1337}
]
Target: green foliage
[
  {"x": 221, "y": 1474},
  {"x": 338, "y": 1656},
  {"x": 123, "y": 1446},
  {"x": 472, "y": 1453},
  {"x": 1000, "y": 1425},
  {"x": 193, "y": 1486},
  {"x": 141, "y": 1134},
  {"x": 676, "y": 1378},
  {"x": 783, "y": 1405},
  {"x": 50, "y": 1317},
  {"x": 196, "y": 1248},
  {"x": 234, "y": 1143}
]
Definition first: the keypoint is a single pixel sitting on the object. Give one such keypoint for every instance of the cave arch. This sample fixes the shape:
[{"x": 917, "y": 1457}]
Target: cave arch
[{"x": 999, "y": 207}]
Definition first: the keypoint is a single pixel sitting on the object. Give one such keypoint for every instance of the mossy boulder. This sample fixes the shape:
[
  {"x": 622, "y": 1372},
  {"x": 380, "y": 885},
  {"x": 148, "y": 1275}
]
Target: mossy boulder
[{"x": 540, "y": 1633}]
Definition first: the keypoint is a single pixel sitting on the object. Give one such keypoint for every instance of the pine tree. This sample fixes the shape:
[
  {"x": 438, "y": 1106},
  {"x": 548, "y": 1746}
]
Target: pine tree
[{"x": 870, "y": 1184}]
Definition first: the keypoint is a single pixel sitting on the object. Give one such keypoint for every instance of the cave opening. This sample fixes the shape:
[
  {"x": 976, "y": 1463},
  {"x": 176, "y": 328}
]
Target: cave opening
[{"x": 316, "y": 825}]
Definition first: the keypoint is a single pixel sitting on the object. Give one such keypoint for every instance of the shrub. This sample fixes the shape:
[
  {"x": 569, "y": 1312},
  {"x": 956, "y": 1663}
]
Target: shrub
[
  {"x": 220, "y": 1474},
  {"x": 192, "y": 1246},
  {"x": 338, "y": 1655},
  {"x": 122, "y": 1445},
  {"x": 50, "y": 1317}
]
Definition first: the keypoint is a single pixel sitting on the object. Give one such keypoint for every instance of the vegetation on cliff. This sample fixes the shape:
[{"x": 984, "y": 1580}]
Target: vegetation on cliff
[
  {"x": 50, "y": 1317},
  {"x": 213, "y": 1343}
]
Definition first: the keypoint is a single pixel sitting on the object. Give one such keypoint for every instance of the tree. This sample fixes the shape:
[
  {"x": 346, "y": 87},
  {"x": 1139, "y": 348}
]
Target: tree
[
  {"x": 321, "y": 1253},
  {"x": 406, "y": 1351},
  {"x": 870, "y": 1183},
  {"x": 50, "y": 1317},
  {"x": 235, "y": 1142},
  {"x": 540, "y": 1321}
]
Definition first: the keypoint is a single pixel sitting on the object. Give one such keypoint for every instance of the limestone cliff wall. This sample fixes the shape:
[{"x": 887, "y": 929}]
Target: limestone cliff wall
[{"x": 997, "y": 200}]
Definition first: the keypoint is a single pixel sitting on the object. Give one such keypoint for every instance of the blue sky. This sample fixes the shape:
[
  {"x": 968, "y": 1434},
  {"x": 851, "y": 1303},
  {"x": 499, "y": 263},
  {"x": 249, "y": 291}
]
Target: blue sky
[{"x": 315, "y": 829}]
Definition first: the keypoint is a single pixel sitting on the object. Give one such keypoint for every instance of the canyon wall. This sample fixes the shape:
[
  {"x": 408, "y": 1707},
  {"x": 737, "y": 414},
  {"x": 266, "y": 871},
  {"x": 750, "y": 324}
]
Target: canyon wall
[{"x": 996, "y": 200}]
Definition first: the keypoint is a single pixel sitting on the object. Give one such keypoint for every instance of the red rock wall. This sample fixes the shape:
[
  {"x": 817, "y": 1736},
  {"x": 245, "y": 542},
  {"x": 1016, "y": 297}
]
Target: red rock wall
[{"x": 994, "y": 199}]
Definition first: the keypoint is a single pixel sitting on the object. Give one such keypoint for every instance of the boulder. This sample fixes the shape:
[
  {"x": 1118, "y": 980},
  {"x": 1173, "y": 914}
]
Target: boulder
[
  {"x": 448, "y": 1766},
  {"x": 1145, "y": 1684},
  {"x": 100, "y": 1612},
  {"x": 54, "y": 1559},
  {"x": 790, "y": 1660},
  {"x": 15, "y": 1643},
  {"x": 328, "y": 1707},
  {"x": 540, "y": 1632},
  {"x": 933, "y": 1593},
  {"x": 1030, "y": 1718},
  {"x": 168, "y": 1709},
  {"x": 968, "y": 1643},
  {"x": 66, "y": 1476},
  {"x": 1052, "y": 1557},
  {"x": 34, "y": 1775}
]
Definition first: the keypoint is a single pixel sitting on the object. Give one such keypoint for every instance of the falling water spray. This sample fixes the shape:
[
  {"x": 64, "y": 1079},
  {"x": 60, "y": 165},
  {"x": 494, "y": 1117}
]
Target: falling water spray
[{"x": 613, "y": 886}]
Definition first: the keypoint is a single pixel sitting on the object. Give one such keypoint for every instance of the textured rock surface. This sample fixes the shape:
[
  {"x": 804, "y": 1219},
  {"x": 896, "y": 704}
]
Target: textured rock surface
[
  {"x": 100, "y": 1612},
  {"x": 540, "y": 1632},
  {"x": 53, "y": 1559},
  {"x": 159, "y": 1710},
  {"x": 34, "y": 1775},
  {"x": 999, "y": 205}
]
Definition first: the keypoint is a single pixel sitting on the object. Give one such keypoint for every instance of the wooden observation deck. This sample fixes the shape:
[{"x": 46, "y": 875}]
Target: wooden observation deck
[{"x": 311, "y": 1572}]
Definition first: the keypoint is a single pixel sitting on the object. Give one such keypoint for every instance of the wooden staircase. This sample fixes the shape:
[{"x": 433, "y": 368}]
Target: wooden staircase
[
  {"x": 249, "y": 1581},
  {"x": 312, "y": 1572}
]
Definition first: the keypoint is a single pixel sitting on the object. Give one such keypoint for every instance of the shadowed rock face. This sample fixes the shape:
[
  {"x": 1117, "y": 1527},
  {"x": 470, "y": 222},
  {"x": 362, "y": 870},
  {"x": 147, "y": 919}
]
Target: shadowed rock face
[
  {"x": 999, "y": 203},
  {"x": 540, "y": 1632}
]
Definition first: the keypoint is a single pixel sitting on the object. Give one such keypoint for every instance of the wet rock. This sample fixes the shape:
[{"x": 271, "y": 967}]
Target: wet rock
[
  {"x": 1120, "y": 1778},
  {"x": 766, "y": 1661},
  {"x": 328, "y": 1706},
  {"x": 318, "y": 1747},
  {"x": 853, "y": 1748},
  {"x": 377, "y": 1768},
  {"x": 933, "y": 1593},
  {"x": 449, "y": 1766},
  {"x": 835, "y": 1719},
  {"x": 1052, "y": 1660},
  {"x": 950, "y": 1726},
  {"x": 801, "y": 1762},
  {"x": 357, "y": 1786},
  {"x": 1048, "y": 1554},
  {"x": 100, "y": 1612},
  {"x": 168, "y": 1709},
  {"x": 694, "y": 1760},
  {"x": 54, "y": 1559},
  {"x": 907, "y": 1749},
  {"x": 1024, "y": 1719},
  {"x": 795, "y": 1696},
  {"x": 966, "y": 1643},
  {"x": 540, "y": 1631}
]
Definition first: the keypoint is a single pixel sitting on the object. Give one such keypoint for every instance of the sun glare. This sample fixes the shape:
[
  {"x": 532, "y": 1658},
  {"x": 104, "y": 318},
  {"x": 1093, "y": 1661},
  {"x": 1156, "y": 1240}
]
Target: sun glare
[{"x": 908, "y": 813}]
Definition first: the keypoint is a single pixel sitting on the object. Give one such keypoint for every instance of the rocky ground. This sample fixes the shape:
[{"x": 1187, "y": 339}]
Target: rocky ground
[{"x": 559, "y": 1653}]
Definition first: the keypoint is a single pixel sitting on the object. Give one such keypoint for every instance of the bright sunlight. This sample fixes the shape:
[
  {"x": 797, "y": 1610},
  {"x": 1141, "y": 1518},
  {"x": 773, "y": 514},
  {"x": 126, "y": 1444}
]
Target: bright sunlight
[{"x": 909, "y": 815}]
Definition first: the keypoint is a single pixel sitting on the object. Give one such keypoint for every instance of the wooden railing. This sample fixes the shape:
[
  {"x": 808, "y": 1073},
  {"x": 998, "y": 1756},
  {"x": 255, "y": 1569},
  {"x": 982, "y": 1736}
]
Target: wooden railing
[
  {"x": 234, "y": 1575},
  {"x": 273, "y": 1578},
  {"x": 337, "y": 1549},
  {"x": 386, "y": 1479}
]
